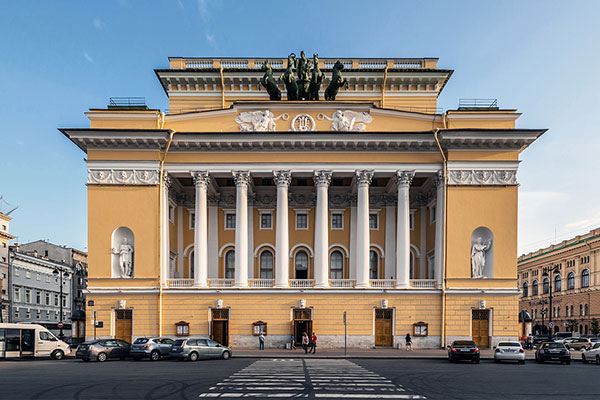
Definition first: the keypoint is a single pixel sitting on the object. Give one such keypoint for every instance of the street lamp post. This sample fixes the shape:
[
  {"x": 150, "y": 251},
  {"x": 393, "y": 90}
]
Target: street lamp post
[
  {"x": 554, "y": 270},
  {"x": 60, "y": 273}
]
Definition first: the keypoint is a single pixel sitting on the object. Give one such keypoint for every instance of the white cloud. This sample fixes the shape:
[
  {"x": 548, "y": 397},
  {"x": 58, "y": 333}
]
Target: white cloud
[
  {"x": 98, "y": 24},
  {"x": 88, "y": 57},
  {"x": 585, "y": 223}
]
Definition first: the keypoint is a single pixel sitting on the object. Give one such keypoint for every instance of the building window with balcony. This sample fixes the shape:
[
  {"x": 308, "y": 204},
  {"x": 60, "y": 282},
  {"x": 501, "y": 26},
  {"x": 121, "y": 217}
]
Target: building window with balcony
[
  {"x": 546, "y": 284},
  {"x": 525, "y": 289},
  {"x": 230, "y": 264},
  {"x": 571, "y": 281},
  {"x": 585, "y": 278},
  {"x": 557, "y": 283},
  {"x": 301, "y": 265},
  {"x": 230, "y": 221},
  {"x": 336, "y": 265},
  {"x": 373, "y": 264},
  {"x": 266, "y": 265},
  {"x": 534, "y": 288}
]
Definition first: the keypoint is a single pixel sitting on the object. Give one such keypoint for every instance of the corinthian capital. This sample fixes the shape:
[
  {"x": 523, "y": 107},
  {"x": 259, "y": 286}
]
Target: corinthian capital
[
  {"x": 167, "y": 181},
  {"x": 282, "y": 178},
  {"x": 364, "y": 177},
  {"x": 201, "y": 179},
  {"x": 438, "y": 180},
  {"x": 404, "y": 178},
  {"x": 241, "y": 178},
  {"x": 322, "y": 178}
]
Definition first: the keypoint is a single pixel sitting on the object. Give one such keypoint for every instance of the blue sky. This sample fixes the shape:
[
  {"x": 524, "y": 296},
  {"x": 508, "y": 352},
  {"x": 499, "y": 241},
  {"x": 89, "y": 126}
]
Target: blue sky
[{"x": 60, "y": 58}]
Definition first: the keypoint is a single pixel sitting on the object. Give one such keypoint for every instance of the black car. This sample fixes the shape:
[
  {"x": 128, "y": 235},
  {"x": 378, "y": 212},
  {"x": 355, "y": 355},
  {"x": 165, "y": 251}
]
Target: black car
[
  {"x": 464, "y": 350},
  {"x": 102, "y": 350},
  {"x": 552, "y": 351}
]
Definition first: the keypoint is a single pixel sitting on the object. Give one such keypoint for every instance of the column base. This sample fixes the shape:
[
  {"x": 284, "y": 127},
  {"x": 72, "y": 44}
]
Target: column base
[
  {"x": 322, "y": 286},
  {"x": 402, "y": 286},
  {"x": 241, "y": 286},
  {"x": 364, "y": 285},
  {"x": 200, "y": 285},
  {"x": 281, "y": 286}
]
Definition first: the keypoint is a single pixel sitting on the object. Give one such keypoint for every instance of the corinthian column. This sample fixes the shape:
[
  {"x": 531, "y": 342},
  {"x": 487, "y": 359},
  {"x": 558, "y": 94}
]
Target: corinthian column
[
  {"x": 201, "y": 181},
  {"x": 403, "y": 181},
  {"x": 322, "y": 180},
  {"x": 363, "y": 180},
  {"x": 242, "y": 180},
  {"x": 282, "y": 242},
  {"x": 439, "y": 228}
]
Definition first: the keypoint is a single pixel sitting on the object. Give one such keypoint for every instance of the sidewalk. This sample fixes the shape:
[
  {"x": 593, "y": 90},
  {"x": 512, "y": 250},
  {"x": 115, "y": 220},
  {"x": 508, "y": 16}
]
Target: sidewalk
[{"x": 486, "y": 354}]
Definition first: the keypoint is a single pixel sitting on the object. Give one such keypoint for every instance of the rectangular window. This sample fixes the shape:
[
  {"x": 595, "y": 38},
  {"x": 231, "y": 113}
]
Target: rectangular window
[
  {"x": 27, "y": 295},
  {"x": 18, "y": 295},
  {"x": 38, "y": 277},
  {"x": 171, "y": 213},
  {"x": 374, "y": 221},
  {"x": 55, "y": 300},
  {"x": 4, "y": 259},
  {"x": 266, "y": 221},
  {"x": 411, "y": 220},
  {"x": 17, "y": 272},
  {"x": 230, "y": 221},
  {"x": 3, "y": 245},
  {"x": 64, "y": 300},
  {"x": 302, "y": 221},
  {"x": 47, "y": 299},
  {"x": 432, "y": 212},
  {"x": 337, "y": 221},
  {"x": 38, "y": 297},
  {"x": 192, "y": 220}
]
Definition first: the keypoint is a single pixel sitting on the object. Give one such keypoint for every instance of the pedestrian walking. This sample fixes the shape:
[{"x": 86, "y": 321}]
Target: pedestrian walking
[
  {"x": 261, "y": 342},
  {"x": 293, "y": 344},
  {"x": 408, "y": 340},
  {"x": 313, "y": 344},
  {"x": 305, "y": 342}
]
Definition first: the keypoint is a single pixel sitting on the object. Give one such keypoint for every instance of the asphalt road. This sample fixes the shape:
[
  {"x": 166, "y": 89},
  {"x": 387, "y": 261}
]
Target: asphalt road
[{"x": 295, "y": 378}]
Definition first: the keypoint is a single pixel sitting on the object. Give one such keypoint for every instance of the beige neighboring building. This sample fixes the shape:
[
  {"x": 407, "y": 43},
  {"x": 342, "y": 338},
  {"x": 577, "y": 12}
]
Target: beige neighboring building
[
  {"x": 4, "y": 238},
  {"x": 573, "y": 280}
]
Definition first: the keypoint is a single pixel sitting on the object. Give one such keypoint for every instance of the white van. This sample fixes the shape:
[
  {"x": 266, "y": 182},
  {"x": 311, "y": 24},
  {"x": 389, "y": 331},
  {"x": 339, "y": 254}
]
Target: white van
[{"x": 30, "y": 340}]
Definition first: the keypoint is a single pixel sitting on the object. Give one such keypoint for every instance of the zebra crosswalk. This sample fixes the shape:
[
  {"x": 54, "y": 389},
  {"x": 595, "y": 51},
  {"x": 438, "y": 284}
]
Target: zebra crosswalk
[{"x": 307, "y": 378}]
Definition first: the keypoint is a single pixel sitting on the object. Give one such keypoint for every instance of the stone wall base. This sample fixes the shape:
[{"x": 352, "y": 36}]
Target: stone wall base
[{"x": 332, "y": 342}]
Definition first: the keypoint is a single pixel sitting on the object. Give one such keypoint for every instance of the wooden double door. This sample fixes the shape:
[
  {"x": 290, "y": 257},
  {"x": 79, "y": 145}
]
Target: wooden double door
[
  {"x": 219, "y": 326},
  {"x": 480, "y": 323},
  {"x": 123, "y": 325},
  {"x": 384, "y": 327},
  {"x": 302, "y": 323}
]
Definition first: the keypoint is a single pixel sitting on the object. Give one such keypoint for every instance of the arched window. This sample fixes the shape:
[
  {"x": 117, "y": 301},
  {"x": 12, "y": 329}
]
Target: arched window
[
  {"x": 301, "y": 265},
  {"x": 585, "y": 310},
  {"x": 191, "y": 258},
  {"x": 557, "y": 283},
  {"x": 525, "y": 289},
  {"x": 336, "y": 265},
  {"x": 230, "y": 264},
  {"x": 534, "y": 288},
  {"x": 373, "y": 264},
  {"x": 581, "y": 309},
  {"x": 546, "y": 285},
  {"x": 558, "y": 312},
  {"x": 266, "y": 265},
  {"x": 571, "y": 310},
  {"x": 571, "y": 281},
  {"x": 585, "y": 278}
]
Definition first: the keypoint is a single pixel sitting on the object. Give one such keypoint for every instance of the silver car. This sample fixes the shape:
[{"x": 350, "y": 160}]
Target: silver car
[
  {"x": 509, "y": 351},
  {"x": 193, "y": 349},
  {"x": 152, "y": 348},
  {"x": 592, "y": 354}
]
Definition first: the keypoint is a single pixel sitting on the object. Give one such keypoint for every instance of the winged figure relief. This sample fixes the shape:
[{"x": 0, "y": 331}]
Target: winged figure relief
[
  {"x": 345, "y": 121},
  {"x": 258, "y": 121}
]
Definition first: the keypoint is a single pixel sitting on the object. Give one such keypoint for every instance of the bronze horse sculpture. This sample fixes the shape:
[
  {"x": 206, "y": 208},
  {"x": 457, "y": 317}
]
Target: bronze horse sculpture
[
  {"x": 289, "y": 79},
  {"x": 315, "y": 80},
  {"x": 269, "y": 82},
  {"x": 337, "y": 81}
]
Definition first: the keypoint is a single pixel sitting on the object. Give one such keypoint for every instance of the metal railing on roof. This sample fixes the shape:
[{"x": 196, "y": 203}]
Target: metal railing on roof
[
  {"x": 478, "y": 104},
  {"x": 127, "y": 102}
]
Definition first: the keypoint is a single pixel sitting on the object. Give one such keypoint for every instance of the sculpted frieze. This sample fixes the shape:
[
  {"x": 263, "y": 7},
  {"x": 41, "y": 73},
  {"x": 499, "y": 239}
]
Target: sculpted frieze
[
  {"x": 258, "y": 121},
  {"x": 123, "y": 177},
  {"x": 482, "y": 177},
  {"x": 346, "y": 121}
]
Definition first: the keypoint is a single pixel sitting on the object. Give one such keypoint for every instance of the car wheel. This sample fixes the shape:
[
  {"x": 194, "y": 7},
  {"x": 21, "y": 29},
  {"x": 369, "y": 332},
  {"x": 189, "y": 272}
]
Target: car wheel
[
  {"x": 102, "y": 357},
  {"x": 226, "y": 355},
  {"x": 154, "y": 356},
  {"x": 58, "y": 355},
  {"x": 193, "y": 356}
]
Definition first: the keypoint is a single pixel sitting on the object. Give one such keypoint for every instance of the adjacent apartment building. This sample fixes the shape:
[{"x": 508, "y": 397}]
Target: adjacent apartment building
[
  {"x": 569, "y": 273},
  {"x": 239, "y": 212},
  {"x": 5, "y": 237}
]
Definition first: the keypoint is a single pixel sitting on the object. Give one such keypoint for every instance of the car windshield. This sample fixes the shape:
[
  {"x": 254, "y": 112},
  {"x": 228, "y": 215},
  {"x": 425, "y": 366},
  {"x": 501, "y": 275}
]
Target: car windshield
[
  {"x": 553, "y": 345},
  {"x": 463, "y": 344},
  {"x": 179, "y": 342},
  {"x": 509, "y": 344},
  {"x": 140, "y": 341}
]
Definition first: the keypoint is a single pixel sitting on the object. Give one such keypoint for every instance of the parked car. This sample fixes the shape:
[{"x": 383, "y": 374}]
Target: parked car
[
  {"x": 464, "y": 350},
  {"x": 592, "y": 354},
  {"x": 580, "y": 344},
  {"x": 102, "y": 350},
  {"x": 564, "y": 340},
  {"x": 539, "y": 339},
  {"x": 509, "y": 351},
  {"x": 152, "y": 348},
  {"x": 193, "y": 349},
  {"x": 552, "y": 351}
]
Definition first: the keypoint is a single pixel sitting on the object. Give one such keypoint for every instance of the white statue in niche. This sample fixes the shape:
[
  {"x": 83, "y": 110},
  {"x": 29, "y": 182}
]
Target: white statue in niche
[
  {"x": 478, "y": 257},
  {"x": 125, "y": 252}
]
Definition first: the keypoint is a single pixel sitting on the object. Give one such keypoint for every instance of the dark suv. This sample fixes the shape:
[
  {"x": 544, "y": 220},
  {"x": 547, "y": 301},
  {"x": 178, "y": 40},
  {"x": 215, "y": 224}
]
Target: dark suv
[
  {"x": 464, "y": 350},
  {"x": 152, "y": 348},
  {"x": 552, "y": 351}
]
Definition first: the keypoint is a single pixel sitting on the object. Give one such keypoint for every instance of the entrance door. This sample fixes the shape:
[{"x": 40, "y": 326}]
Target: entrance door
[
  {"x": 481, "y": 328},
  {"x": 123, "y": 325},
  {"x": 384, "y": 336},
  {"x": 301, "y": 324},
  {"x": 219, "y": 331}
]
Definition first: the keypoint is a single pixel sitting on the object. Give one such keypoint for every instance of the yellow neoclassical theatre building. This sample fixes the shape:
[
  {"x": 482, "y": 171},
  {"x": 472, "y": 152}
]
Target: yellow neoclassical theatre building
[{"x": 342, "y": 188}]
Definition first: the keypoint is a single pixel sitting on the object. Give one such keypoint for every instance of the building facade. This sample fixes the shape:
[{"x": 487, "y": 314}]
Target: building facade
[
  {"x": 36, "y": 291},
  {"x": 77, "y": 260},
  {"x": 5, "y": 237},
  {"x": 235, "y": 213},
  {"x": 569, "y": 271}
]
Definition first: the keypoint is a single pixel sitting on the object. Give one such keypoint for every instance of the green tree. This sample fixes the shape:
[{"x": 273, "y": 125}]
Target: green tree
[{"x": 595, "y": 326}]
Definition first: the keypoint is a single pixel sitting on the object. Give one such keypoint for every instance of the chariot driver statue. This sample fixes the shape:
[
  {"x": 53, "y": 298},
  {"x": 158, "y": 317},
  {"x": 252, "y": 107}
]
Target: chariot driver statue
[
  {"x": 478, "y": 257},
  {"x": 125, "y": 252}
]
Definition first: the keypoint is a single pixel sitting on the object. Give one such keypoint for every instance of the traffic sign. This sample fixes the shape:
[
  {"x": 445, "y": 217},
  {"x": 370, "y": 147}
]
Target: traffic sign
[
  {"x": 551, "y": 324},
  {"x": 60, "y": 324}
]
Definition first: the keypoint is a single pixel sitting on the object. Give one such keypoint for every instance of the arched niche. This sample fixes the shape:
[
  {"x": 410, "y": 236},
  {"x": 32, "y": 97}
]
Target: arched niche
[
  {"x": 482, "y": 253},
  {"x": 122, "y": 249}
]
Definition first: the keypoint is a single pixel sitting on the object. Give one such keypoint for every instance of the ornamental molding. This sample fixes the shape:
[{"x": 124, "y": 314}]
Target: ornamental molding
[
  {"x": 259, "y": 121},
  {"x": 123, "y": 177},
  {"x": 322, "y": 178},
  {"x": 404, "y": 178},
  {"x": 347, "y": 120},
  {"x": 241, "y": 178},
  {"x": 201, "y": 179},
  {"x": 303, "y": 123},
  {"x": 282, "y": 178},
  {"x": 364, "y": 177},
  {"x": 482, "y": 177}
]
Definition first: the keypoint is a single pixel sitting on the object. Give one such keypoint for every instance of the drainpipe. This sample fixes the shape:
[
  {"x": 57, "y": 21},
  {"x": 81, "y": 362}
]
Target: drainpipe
[{"x": 445, "y": 221}]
